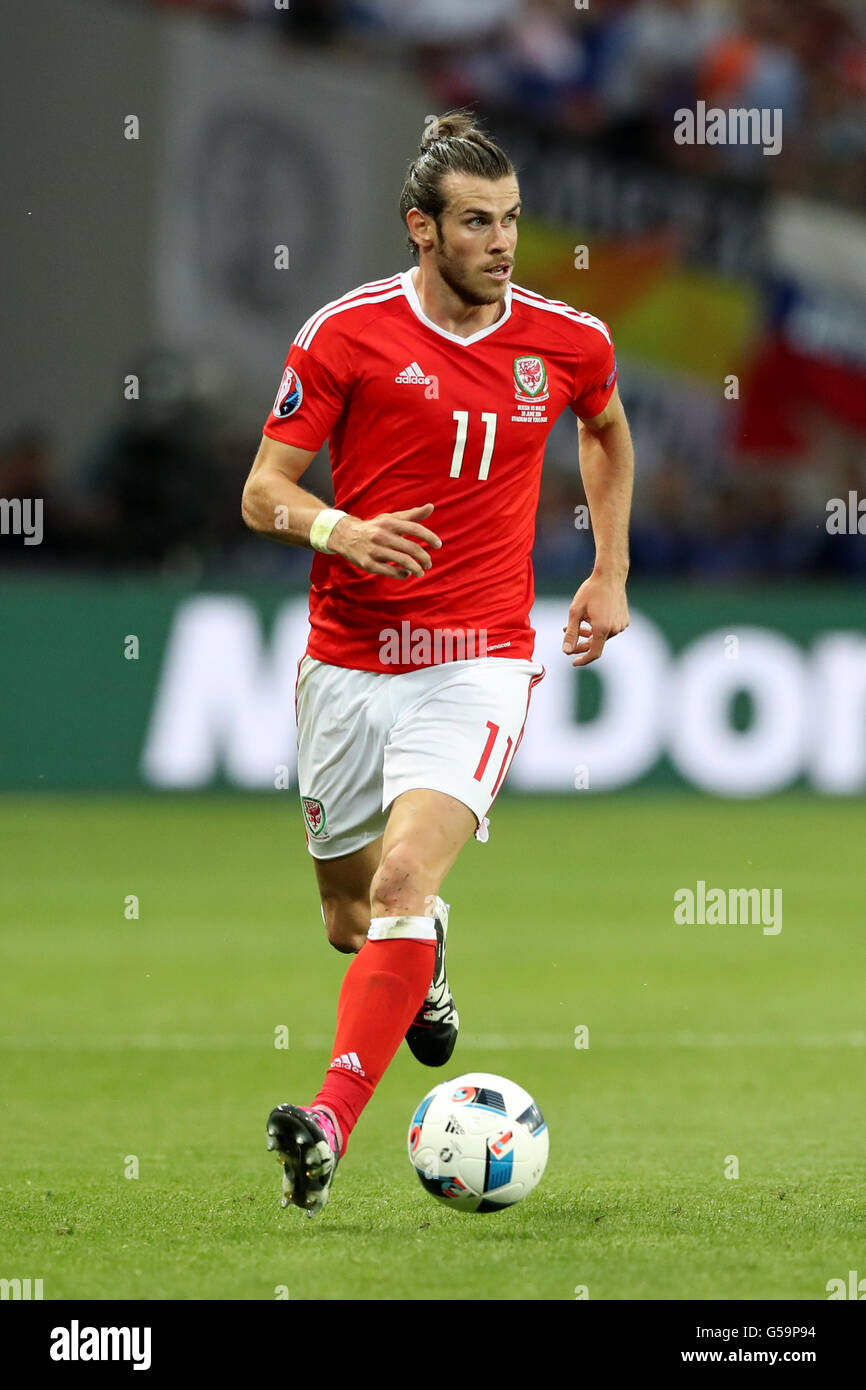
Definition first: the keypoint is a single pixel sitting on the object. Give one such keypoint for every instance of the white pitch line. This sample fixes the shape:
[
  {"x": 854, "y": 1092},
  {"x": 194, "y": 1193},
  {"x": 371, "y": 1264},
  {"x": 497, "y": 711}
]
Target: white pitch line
[{"x": 485, "y": 1042}]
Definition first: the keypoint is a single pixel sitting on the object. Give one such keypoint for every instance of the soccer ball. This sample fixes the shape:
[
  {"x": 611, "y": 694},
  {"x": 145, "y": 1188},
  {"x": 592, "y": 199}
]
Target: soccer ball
[{"x": 478, "y": 1143}]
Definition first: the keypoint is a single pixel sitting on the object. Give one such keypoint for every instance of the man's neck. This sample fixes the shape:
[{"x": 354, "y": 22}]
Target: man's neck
[{"x": 447, "y": 310}]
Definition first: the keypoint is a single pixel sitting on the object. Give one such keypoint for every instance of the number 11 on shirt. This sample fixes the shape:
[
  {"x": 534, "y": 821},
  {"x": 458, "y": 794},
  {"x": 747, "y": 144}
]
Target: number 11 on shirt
[{"x": 462, "y": 418}]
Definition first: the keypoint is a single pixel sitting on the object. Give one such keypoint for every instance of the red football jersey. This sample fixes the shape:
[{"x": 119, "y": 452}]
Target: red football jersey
[{"x": 416, "y": 414}]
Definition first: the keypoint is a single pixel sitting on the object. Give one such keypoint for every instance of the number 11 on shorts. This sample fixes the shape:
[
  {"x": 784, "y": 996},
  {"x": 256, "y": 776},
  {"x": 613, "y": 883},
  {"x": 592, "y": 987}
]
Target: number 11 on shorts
[{"x": 493, "y": 731}]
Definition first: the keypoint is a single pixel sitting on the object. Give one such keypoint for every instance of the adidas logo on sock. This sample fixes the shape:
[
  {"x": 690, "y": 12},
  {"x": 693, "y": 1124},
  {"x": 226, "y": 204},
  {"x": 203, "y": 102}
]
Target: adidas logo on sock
[
  {"x": 412, "y": 375},
  {"x": 349, "y": 1061}
]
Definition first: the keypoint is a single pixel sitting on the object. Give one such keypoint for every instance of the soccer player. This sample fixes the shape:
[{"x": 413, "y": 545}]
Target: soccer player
[{"x": 436, "y": 388}]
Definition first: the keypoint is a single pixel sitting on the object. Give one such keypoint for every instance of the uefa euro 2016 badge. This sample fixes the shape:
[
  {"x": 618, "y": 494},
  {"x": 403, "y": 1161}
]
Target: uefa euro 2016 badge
[
  {"x": 314, "y": 815},
  {"x": 290, "y": 394},
  {"x": 530, "y": 389}
]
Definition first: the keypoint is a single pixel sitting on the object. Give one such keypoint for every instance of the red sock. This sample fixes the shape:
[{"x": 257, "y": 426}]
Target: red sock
[{"x": 383, "y": 990}]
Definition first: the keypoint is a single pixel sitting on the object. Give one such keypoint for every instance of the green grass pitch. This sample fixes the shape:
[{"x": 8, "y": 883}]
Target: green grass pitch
[{"x": 154, "y": 1040}]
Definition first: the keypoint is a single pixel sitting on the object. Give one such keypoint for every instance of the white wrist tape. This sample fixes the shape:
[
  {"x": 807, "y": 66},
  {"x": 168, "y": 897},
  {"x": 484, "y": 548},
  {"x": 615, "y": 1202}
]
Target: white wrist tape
[{"x": 320, "y": 531}]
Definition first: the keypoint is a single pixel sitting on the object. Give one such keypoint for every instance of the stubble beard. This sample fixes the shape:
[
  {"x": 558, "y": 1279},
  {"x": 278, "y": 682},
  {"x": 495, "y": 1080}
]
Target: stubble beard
[{"x": 457, "y": 280}]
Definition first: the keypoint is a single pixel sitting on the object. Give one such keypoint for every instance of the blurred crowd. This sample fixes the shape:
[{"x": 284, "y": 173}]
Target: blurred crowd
[
  {"x": 158, "y": 488},
  {"x": 616, "y": 71}
]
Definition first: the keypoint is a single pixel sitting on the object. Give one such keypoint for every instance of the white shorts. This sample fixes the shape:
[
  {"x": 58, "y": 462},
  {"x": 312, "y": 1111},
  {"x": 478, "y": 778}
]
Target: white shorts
[{"x": 366, "y": 736}]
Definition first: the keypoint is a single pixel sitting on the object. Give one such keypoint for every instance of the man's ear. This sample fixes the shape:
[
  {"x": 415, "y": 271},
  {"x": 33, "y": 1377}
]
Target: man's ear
[{"x": 421, "y": 228}]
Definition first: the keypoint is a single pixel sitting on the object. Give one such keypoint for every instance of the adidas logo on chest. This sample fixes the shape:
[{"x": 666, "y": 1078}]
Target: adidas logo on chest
[{"x": 413, "y": 375}]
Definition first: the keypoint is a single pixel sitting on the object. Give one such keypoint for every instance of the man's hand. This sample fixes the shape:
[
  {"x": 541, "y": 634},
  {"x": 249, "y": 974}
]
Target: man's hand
[
  {"x": 599, "y": 610},
  {"x": 388, "y": 544}
]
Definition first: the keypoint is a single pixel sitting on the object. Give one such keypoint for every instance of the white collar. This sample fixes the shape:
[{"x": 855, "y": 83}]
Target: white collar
[{"x": 415, "y": 305}]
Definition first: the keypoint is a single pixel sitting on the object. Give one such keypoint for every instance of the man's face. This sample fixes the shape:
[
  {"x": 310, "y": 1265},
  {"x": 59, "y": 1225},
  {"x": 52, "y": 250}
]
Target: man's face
[{"x": 475, "y": 252}]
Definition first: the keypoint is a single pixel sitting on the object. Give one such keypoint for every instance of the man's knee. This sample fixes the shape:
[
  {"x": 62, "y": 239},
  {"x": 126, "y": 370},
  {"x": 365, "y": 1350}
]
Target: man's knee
[
  {"x": 402, "y": 882},
  {"x": 346, "y": 922}
]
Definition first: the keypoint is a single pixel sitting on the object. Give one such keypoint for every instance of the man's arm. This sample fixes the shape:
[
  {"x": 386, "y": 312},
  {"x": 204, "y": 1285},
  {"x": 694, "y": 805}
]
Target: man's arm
[
  {"x": 273, "y": 505},
  {"x": 607, "y": 469}
]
